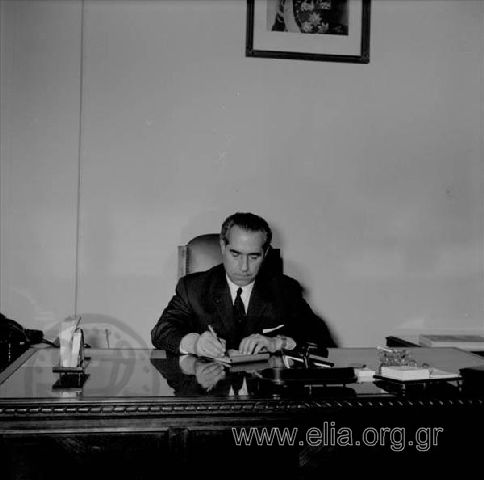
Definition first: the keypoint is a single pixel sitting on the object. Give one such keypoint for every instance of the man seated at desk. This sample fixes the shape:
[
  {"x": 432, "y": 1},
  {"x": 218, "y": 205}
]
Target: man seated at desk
[{"x": 238, "y": 305}]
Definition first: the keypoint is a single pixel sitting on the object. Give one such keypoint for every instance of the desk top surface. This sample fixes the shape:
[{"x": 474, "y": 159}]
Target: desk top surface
[{"x": 146, "y": 374}]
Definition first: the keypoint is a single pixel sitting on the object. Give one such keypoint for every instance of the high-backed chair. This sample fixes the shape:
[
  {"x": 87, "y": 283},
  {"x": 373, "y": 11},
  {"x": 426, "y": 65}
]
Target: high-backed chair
[{"x": 203, "y": 252}]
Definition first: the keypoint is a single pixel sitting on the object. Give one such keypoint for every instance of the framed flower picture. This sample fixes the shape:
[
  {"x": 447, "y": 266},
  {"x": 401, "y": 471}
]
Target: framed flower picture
[{"x": 324, "y": 30}]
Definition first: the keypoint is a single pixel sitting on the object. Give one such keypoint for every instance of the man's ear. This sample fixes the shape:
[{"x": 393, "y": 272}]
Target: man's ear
[{"x": 222, "y": 245}]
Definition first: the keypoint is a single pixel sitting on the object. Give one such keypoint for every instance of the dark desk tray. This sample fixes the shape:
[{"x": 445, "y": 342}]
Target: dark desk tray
[{"x": 325, "y": 376}]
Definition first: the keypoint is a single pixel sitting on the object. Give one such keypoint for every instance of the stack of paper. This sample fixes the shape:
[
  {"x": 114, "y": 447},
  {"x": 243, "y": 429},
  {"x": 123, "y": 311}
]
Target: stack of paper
[
  {"x": 437, "y": 374},
  {"x": 464, "y": 342},
  {"x": 405, "y": 373}
]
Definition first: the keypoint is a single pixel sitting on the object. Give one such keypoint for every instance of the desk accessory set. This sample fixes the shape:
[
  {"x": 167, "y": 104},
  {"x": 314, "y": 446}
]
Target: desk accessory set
[
  {"x": 72, "y": 361},
  {"x": 398, "y": 367}
]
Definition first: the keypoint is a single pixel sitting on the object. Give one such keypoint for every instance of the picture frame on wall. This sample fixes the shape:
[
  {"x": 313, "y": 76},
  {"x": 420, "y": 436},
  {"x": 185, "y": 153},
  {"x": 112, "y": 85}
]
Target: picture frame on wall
[{"x": 321, "y": 30}]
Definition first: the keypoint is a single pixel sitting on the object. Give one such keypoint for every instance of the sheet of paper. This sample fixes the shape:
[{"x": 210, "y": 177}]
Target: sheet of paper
[{"x": 66, "y": 337}]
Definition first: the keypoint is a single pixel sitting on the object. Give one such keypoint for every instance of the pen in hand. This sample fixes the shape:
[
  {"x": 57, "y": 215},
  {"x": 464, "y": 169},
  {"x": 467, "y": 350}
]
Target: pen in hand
[
  {"x": 212, "y": 331},
  {"x": 220, "y": 340}
]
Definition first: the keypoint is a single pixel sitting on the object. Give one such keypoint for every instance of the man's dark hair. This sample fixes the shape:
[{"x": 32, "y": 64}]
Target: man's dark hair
[{"x": 246, "y": 221}]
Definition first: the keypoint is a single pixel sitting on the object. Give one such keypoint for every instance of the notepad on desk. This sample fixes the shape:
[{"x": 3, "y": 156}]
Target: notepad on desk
[{"x": 234, "y": 357}]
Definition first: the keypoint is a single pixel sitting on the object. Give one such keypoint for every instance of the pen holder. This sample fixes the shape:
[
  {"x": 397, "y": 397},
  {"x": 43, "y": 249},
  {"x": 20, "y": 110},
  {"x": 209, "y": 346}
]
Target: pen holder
[{"x": 311, "y": 353}]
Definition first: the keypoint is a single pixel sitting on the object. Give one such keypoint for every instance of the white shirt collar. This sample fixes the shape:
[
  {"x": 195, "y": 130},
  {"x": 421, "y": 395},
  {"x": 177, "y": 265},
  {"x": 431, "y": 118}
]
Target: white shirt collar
[{"x": 246, "y": 291}]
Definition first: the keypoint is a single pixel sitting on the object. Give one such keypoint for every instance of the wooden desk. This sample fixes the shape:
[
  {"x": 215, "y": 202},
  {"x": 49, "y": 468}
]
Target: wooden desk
[{"x": 138, "y": 412}]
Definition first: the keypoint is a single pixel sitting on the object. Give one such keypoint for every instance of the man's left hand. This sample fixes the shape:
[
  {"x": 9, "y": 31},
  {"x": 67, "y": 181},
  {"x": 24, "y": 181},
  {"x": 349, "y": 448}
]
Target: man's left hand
[{"x": 256, "y": 343}]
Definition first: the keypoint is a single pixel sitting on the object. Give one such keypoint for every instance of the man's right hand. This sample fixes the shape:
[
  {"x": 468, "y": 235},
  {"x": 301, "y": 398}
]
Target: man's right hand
[{"x": 208, "y": 345}]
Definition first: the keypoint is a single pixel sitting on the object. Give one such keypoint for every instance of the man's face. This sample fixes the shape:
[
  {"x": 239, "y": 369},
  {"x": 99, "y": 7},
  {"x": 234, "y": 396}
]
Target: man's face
[{"x": 242, "y": 255}]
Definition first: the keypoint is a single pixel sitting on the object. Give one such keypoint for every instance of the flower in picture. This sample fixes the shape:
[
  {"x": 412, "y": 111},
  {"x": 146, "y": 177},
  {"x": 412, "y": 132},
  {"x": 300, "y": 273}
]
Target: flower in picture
[{"x": 315, "y": 18}]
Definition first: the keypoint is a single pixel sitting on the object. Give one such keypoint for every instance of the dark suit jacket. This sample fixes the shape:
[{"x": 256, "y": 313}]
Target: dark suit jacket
[{"x": 203, "y": 299}]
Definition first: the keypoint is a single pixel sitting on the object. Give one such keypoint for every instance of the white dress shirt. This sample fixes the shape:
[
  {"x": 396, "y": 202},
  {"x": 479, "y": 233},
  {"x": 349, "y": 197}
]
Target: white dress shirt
[{"x": 245, "y": 295}]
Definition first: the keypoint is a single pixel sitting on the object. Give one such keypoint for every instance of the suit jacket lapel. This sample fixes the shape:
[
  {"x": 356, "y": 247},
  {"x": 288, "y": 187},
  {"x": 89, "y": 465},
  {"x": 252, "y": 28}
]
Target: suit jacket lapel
[
  {"x": 259, "y": 300},
  {"x": 220, "y": 295}
]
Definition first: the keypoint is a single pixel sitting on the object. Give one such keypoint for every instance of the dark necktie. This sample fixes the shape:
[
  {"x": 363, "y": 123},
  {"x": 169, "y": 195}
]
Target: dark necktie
[{"x": 239, "y": 310}]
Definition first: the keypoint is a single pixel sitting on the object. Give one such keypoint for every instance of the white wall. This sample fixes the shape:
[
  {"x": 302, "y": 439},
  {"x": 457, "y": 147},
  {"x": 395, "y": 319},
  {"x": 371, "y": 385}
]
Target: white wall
[
  {"x": 39, "y": 141},
  {"x": 371, "y": 175}
]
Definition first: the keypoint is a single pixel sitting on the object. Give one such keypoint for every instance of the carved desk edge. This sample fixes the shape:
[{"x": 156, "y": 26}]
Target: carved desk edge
[{"x": 161, "y": 407}]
